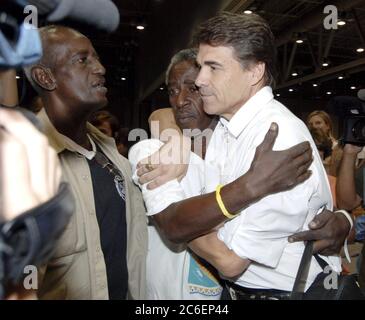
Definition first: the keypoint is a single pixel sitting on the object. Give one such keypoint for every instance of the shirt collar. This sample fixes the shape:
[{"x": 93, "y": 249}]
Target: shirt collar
[
  {"x": 60, "y": 142},
  {"x": 81, "y": 150},
  {"x": 248, "y": 111}
]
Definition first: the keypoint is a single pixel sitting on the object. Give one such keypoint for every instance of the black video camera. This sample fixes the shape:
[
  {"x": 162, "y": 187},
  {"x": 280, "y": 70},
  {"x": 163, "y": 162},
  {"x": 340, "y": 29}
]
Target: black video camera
[{"x": 352, "y": 112}]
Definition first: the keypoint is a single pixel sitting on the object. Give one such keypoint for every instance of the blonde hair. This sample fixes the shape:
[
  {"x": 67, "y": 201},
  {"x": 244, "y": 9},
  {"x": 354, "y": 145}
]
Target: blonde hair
[{"x": 325, "y": 117}]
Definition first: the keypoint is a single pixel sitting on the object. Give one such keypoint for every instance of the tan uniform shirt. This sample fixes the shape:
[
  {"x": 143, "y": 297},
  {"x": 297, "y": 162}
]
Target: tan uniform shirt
[{"x": 77, "y": 269}]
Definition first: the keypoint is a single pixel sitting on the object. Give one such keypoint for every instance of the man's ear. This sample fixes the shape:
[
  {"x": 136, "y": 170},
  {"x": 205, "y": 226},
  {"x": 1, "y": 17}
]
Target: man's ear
[
  {"x": 43, "y": 77},
  {"x": 258, "y": 72}
]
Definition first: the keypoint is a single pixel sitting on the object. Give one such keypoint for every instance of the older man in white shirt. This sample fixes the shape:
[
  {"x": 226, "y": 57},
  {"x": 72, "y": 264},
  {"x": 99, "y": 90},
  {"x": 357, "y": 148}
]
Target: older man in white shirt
[{"x": 174, "y": 272}]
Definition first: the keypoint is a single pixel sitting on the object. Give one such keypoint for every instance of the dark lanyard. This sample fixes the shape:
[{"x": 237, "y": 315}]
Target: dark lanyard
[{"x": 105, "y": 163}]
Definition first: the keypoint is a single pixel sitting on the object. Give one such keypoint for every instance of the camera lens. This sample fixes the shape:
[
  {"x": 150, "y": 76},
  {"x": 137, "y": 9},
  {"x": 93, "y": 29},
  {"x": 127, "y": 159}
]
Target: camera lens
[{"x": 359, "y": 130}]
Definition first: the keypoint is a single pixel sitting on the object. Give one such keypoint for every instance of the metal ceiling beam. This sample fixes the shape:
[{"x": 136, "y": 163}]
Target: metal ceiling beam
[
  {"x": 338, "y": 37},
  {"x": 320, "y": 46},
  {"x": 162, "y": 39},
  {"x": 329, "y": 44},
  {"x": 348, "y": 57},
  {"x": 358, "y": 26},
  {"x": 311, "y": 2},
  {"x": 242, "y": 4},
  {"x": 291, "y": 60},
  {"x": 285, "y": 59},
  {"x": 351, "y": 67},
  {"x": 314, "y": 19},
  {"x": 311, "y": 51},
  {"x": 280, "y": 15}
]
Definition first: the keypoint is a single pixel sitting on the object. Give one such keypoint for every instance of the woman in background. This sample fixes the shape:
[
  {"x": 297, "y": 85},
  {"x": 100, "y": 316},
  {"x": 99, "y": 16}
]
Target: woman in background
[{"x": 321, "y": 120}]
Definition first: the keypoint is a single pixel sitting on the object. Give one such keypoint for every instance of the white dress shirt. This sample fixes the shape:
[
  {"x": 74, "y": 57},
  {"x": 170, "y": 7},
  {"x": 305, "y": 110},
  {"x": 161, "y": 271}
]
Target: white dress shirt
[
  {"x": 172, "y": 272},
  {"x": 260, "y": 232}
]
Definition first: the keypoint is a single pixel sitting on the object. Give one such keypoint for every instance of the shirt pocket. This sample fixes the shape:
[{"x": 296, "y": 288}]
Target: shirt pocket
[
  {"x": 73, "y": 238},
  {"x": 66, "y": 245}
]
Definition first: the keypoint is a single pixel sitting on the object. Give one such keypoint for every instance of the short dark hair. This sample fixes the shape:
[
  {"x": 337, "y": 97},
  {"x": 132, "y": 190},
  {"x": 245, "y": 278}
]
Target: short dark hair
[{"x": 249, "y": 35}]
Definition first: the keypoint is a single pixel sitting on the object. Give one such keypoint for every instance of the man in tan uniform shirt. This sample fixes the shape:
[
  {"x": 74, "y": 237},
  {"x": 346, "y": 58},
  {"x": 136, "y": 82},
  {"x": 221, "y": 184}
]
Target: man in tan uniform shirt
[{"x": 70, "y": 80}]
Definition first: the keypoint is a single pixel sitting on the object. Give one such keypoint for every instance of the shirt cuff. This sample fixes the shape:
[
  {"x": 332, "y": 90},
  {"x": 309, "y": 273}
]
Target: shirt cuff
[{"x": 160, "y": 198}]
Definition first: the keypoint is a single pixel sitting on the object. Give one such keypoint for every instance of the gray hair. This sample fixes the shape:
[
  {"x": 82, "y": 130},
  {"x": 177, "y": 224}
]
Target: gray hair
[{"x": 183, "y": 55}]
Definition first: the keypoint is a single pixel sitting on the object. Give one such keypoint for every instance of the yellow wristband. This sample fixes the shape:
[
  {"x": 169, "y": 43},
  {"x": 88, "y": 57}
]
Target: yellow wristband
[{"x": 220, "y": 202}]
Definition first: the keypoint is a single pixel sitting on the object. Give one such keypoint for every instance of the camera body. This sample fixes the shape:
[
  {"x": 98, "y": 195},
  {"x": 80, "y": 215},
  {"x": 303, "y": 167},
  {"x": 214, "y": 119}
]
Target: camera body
[
  {"x": 352, "y": 111},
  {"x": 354, "y": 130}
]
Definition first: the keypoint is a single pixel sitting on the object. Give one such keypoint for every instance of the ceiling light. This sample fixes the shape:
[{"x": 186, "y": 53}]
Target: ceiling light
[
  {"x": 325, "y": 62},
  {"x": 294, "y": 74},
  {"x": 328, "y": 92},
  {"x": 247, "y": 11},
  {"x": 315, "y": 85},
  {"x": 343, "y": 17},
  {"x": 299, "y": 37},
  {"x": 353, "y": 88},
  {"x": 340, "y": 77},
  {"x": 161, "y": 88},
  {"x": 17, "y": 77},
  {"x": 140, "y": 27},
  {"x": 291, "y": 90},
  {"x": 278, "y": 94},
  {"x": 123, "y": 79},
  {"x": 359, "y": 50}
]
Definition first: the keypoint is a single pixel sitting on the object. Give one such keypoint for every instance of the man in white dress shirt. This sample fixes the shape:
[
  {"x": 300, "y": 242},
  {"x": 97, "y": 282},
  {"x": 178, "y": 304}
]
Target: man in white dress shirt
[{"x": 236, "y": 58}]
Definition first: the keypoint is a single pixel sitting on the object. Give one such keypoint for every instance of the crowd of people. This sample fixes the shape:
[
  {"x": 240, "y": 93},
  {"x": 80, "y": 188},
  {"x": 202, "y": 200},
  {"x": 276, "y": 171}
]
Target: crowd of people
[{"x": 229, "y": 220}]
